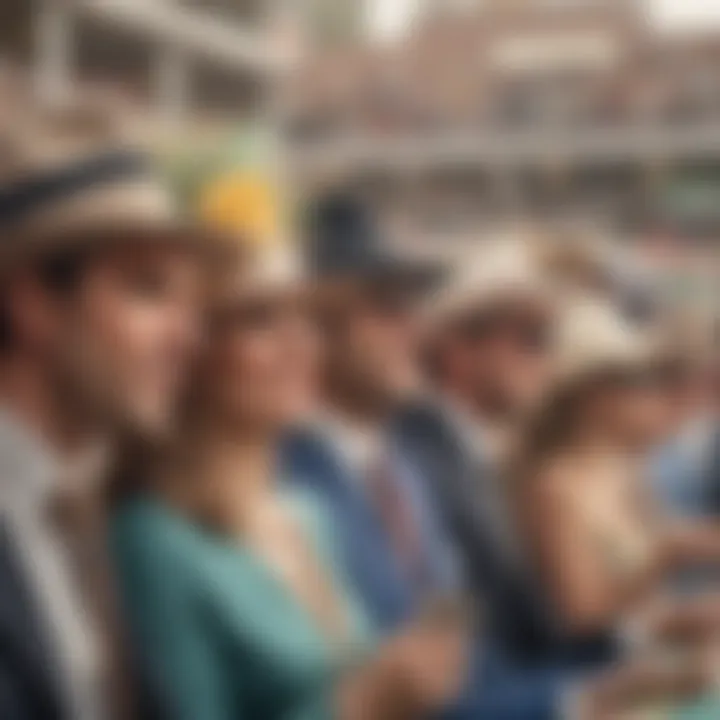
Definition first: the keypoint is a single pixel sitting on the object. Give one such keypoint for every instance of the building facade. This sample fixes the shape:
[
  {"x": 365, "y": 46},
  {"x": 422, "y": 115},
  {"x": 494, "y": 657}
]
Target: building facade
[
  {"x": 173, "y": 58},
  {"x": 523, "y": 108}
]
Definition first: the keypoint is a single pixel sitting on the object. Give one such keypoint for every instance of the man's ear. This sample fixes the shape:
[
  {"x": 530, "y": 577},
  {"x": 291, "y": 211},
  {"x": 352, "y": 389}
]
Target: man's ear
[
  {"x": 457, "y": 354},
  {"x": 33, "y": 313}
]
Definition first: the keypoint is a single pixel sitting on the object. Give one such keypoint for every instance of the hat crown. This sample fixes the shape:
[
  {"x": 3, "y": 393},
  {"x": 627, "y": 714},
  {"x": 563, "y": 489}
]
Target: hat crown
[
  {"x": 341, "y": 235},
  {"x": 74, "y": 176},
  {"x": 39, "y": 143},
  {"x": 592, "y": 336},
  {"x": 503, "y": 269}
]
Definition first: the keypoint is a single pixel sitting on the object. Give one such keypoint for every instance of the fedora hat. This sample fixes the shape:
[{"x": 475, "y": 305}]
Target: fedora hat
[
  {"x": 71, "y": 178},
  {"x": 502, "y": 272},
  {"x": 344, "y": 244}
]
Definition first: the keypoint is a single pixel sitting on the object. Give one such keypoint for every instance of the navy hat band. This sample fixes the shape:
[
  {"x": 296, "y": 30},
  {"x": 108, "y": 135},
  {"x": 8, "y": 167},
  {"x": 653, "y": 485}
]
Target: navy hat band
[{"x": 23, "y": 198}]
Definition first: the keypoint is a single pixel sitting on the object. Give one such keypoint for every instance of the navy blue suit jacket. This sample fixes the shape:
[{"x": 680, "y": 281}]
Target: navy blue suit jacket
[
  {"x": 29, "y": 687},
  {"x": 312, "y": 463},
  {"x": 500, "y": 688},
  {"x": 515, "y": 605},
  {"x": 713, "y": 483}
]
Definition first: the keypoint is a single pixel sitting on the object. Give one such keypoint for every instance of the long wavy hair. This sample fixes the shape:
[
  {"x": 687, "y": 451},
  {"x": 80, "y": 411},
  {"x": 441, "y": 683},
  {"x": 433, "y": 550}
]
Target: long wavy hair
[
  {"x": 551, "y": 427},
  {"x": 559, "y": 419}
]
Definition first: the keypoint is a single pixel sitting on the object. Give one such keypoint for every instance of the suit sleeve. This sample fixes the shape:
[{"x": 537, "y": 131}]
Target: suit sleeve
[
  {"x": 163, "y": 605},
  {"x": 501, "y": 690},
  {"x": 12, "y": 704}
]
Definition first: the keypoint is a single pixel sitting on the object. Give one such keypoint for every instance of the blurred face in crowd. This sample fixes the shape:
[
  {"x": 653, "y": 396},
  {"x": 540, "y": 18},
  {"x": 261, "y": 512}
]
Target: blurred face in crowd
[
  {"x": 628, "y": 407},
  {"x": 499, "y": 359},
  {"x": 116, "y": 329},
  {"x": 372, "y": 344},
  {"x": 687, "y": 389},
  {"x": 714, "y": 383},
  {"x": 260, "y": 365}
]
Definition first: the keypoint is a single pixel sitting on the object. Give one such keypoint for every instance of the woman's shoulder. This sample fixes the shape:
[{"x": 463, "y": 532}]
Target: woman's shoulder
[
  {"x": 146, "y": 533},
  {"x": 144, "y": 516}
]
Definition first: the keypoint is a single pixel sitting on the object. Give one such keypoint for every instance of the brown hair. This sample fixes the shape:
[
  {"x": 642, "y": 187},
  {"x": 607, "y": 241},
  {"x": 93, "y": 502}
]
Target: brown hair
[
  {"x": 555, "y": 424},
  {"x": 551, "y": 427},
  {"x": 59, "y": 272}
]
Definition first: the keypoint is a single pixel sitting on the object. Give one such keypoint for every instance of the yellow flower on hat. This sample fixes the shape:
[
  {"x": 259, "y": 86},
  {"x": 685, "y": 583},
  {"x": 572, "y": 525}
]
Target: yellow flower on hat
[{"x": 242, "y": 202}]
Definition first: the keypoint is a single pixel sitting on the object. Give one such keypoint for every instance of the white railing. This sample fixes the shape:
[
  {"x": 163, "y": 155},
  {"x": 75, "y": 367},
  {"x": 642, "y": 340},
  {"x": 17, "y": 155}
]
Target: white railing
[
  {"x": 201, "y": 34},
  {"x": 647, "y": 143}
]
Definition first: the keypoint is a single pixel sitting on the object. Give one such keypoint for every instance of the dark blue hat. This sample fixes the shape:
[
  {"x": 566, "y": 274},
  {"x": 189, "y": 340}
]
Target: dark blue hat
[{"x": 344, "y": 242}]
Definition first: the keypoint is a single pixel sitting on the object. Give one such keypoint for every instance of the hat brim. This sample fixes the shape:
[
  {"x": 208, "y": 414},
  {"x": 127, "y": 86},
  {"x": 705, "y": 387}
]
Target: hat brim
[
  {"x": 295, "y": 295},
  {"x": 531, "y": 300},
  {"x": 415, "y": 277},
  {"x": 643, "y": 358},
  {"x": 208, "y": 245}
]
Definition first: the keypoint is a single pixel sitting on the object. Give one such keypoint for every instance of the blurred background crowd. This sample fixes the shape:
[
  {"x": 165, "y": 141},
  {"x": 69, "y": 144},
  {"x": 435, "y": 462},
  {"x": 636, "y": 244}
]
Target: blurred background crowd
[{"x": 360, "y": 360}]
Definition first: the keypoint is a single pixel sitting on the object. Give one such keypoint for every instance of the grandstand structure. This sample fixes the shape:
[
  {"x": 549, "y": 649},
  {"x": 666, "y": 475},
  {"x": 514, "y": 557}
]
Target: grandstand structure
[
  {"x": 176, "y": 59},
  {"x": 514, "y": 108}
]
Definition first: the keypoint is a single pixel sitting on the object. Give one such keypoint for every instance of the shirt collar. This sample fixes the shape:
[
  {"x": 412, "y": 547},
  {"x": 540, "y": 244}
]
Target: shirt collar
[
  {"x": 32, "y": 473},
  {"x": 486, "y": 442},
  {"x": 28, "y": 467},
  {"x": 358, "y": 446},
  {"x": 473, "y": 434}
]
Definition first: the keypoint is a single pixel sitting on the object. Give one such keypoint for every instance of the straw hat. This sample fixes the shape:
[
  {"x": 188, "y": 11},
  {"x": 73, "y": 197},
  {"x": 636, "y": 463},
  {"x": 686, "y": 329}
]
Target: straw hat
[
  {"x": 73, "y": 177},
  {"x": 592, "y": 338},
  {"x": 504, "y": 270}
]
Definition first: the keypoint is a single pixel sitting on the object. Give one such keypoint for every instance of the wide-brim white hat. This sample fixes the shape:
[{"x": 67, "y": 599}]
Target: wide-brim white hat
[
  {"x": 503, "y": 271},
  {"x": 592, "y": 338}
]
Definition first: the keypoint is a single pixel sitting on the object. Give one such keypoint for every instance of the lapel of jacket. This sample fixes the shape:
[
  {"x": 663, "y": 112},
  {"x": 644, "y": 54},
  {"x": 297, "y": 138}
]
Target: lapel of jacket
[
  {"x": 23, "y": 638},
  {"x": 454, "y": 477},
  {"x": 713, "y": 471},
  {"x": 319, "y": 464},
  {"x": 314, "y": 463}
]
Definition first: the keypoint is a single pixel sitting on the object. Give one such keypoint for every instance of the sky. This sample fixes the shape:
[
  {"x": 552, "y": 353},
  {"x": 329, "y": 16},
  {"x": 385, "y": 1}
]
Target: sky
[
  {"x": 388, "y": 17},
  {"x": 687, "y": 12}
]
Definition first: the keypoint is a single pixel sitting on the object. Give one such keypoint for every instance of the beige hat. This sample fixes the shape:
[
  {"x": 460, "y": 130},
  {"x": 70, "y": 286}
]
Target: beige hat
[
  {"x": 591, "y": 337},
  {"x": 575, "y": 255},
  {"x": 261, "y": 274},
  {"x": 504, "y": 270},
  {"x": 238, "y": 192},
  {"x": 72, "y": 177}
]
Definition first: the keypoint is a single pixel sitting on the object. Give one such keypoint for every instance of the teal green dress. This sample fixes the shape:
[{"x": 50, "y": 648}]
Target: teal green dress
[
  {"x": 706, "y": 708},
  {"x": 223, "y": 635}
]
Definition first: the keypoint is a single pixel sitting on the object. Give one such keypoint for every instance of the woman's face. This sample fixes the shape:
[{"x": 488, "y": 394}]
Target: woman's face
[{"x": 262, "y": 364}]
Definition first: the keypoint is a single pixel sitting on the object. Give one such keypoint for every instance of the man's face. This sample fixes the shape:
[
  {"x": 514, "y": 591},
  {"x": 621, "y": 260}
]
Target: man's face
[
  {"x": 128, "y": 332},
  {"x": 503, "y": 360},
  {"x": 374, "y": 350}
]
